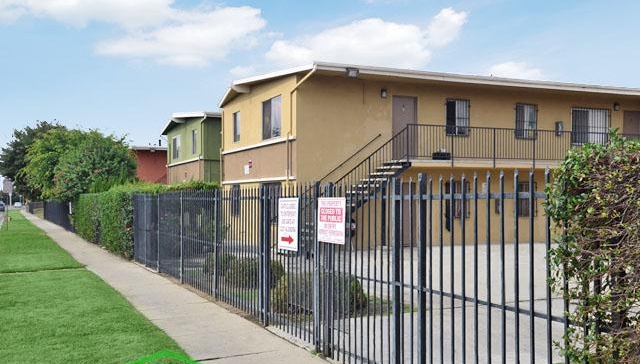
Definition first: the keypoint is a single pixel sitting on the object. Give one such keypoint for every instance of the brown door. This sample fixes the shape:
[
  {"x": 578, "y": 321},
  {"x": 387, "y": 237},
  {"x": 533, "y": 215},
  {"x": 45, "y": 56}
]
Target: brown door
[
  {"x": 405, "y": 112},
  {"x": 631, "y": 124}
]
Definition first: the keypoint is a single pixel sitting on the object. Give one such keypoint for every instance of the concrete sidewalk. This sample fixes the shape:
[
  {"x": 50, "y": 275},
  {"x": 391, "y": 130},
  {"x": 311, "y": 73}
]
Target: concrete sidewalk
[{"x": 207, "y": 332}]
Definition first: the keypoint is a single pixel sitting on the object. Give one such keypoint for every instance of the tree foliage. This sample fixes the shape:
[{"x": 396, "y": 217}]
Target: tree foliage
[
  {"x": 43, "y": 157},
  {"x": 13, "y": 157},
  {"x": 61, "y": 164},
  {"x": 96, "y": 164},
  {"x": 594, "y": 202}
]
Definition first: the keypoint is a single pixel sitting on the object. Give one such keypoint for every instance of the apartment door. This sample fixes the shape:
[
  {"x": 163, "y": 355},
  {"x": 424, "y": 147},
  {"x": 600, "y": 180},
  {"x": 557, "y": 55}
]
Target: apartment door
[
  {"x": 631, "y": 123},
  {"x": 405, "y": 112}
]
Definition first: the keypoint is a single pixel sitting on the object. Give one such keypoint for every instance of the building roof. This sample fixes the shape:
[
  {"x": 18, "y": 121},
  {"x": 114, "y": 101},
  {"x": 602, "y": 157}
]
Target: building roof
[
  {"x": 382, "y": 73},
  {"x": 151, "y": 148},
  {"x": 181, "y": 118}
]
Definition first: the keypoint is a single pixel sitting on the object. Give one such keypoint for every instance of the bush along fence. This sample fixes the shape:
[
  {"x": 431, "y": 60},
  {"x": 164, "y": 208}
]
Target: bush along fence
[
  {"x": 106, "y": 218},
  {"x": 431, "y": 270}
]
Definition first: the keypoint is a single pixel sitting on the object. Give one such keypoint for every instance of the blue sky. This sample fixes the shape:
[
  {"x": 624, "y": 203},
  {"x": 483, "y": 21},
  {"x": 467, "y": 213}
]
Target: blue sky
[{"x": 124, "y": 66}]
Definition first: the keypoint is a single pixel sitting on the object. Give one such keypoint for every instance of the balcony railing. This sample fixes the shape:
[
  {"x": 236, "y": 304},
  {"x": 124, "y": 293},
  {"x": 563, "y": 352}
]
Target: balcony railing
[
  {"x": 423, "y": 142},
  {"x": 439, "y": 142}
]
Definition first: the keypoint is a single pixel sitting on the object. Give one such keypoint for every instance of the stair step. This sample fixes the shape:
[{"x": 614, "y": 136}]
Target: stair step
[{"x": 383, "y": 174}]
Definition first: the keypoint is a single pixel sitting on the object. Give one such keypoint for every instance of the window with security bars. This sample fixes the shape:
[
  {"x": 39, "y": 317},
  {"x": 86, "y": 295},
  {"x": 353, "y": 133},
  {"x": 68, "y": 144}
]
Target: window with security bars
[
  {"x": 526, "y": 121},
  {"x": 274, "y": 191},
  {"x": 523, "y": 202},
  {"x": 589, "y": 125},
  {"x": 457, "y": 203},
  {"x": 235, "y": 200},
  {"x": 457, "y": 116}
]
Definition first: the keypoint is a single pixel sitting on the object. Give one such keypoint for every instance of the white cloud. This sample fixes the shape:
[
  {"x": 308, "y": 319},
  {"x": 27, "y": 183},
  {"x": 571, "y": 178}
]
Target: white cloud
[
  {"x": 152, "y": 29},
  {"x": 515, "y": 70},
  {"x": 372, "y": 41},
  {"x": 126, "y": 13},
  {"x": 193, "y": 40}
]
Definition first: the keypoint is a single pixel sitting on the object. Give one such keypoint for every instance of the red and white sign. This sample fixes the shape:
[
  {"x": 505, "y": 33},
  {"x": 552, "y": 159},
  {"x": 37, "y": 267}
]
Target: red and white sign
[
  {"x": 288, "y": 223},
  {"x": 331, "y": 219}
]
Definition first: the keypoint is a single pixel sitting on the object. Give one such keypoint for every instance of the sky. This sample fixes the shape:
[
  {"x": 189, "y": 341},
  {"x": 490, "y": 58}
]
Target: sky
[{"x": 124, "y": 66}]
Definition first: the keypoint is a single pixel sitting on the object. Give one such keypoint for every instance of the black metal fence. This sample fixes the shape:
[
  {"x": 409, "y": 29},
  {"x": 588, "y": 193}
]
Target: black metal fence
[
  {"x": 428, "y": 273},
  {"x": 58, "y": 213}
]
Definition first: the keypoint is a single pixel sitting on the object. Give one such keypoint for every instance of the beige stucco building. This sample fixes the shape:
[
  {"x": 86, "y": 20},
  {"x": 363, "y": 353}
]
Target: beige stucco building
[{"x": 321, "y": 121}]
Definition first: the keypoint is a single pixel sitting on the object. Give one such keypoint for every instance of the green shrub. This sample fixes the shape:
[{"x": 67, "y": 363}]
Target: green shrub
[
  {"x": 106, "y": 218},
  {"x": 295, "y": 293},
  {"x": 245, "y": 273},
  {"x": 86, "y": 218},
  {"x": 594, "y": 202},
  {"x": 226, "y": 261}
]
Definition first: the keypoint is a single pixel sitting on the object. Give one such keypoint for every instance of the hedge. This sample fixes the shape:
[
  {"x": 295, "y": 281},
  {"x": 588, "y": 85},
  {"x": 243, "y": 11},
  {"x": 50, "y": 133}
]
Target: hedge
[{"x": 106, "y": 218}]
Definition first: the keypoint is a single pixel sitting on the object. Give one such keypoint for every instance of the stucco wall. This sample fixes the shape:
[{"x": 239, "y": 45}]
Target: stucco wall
[{"x": 151, "y": 166}]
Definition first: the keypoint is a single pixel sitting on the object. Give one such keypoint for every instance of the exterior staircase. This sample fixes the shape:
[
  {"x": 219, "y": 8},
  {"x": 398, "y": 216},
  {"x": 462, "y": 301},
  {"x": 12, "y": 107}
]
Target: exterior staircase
[{"x": 361, "y": 190}]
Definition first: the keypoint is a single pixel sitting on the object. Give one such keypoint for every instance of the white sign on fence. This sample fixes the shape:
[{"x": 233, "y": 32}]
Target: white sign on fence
[
  {"x": 288, "y": 223},
  {"x": 331, "y": 219}
]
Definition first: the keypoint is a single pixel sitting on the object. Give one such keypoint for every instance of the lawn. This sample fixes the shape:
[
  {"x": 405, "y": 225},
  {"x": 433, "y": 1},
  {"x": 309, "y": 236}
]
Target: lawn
[{"x": 54, "y": 311}]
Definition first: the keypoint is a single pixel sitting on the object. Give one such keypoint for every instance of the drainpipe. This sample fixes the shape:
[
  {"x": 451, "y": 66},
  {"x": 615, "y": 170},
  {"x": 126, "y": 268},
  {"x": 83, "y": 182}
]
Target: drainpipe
[{"x": 290, "y": 134}]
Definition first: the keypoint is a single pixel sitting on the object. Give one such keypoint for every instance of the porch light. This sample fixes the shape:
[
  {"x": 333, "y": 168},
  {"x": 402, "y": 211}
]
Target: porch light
[
  {"x": 383, "y": 93},
  {"x": 616, "y": 106},
  {"x": 352, "y": 72},
  {"x": 559, "y": 128}
]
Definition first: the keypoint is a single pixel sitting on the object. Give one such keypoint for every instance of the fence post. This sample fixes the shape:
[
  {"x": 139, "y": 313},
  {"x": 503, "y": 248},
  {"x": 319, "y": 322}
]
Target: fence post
[
  {"x": 396, "y": 240},
  {"x": 217, "y": 239},
  {"x": 316, "y": 271},
  {"x": 181, "y": 240},
  {"x": 265, "y": 254},
  {"x": 422, "y": 269},
  {"x": 158, "y": 235},
  {"x": 327, "y": 332}
]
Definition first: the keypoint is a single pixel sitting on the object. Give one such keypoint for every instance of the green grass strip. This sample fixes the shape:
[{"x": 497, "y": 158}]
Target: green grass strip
[
  {"x": 25, "y": 248},
  {"x": 68, "y": 315}
]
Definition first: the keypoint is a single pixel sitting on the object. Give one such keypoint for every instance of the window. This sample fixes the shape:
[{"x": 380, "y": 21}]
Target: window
[
  {"x": 236, "y": 127},
  {"x": 175, "y": 147},
  {"x": 523, "y": 203},
  {"x": 457, "y": 208},
  {"x": 235, "y": 200},
  {"x": 589, "y": 125},
  {"x": 194, "y": 141},
  {"x": 271, "y": 117},
  {"x": 274, "y": 191},
  {"x": 457, "y": 114},
  {"x": 526, "y": 121}
]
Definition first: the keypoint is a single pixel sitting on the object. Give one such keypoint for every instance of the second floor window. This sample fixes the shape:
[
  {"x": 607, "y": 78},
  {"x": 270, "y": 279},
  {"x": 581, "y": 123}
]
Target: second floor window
[
  {"x": 589, "y": 125},
  {"x": 457, "y": 115},
  {"x": 236, "y": 126},
  {"x": 175, "y": 147},
  {"x": 194, "y": 141},
  {"x": 526, "y": 121},
  {"x": 271, "y": 118}
]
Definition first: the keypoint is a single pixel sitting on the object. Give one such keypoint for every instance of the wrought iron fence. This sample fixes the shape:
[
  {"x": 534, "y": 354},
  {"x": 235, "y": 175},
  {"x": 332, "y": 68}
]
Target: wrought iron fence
[
  {"x": 59, "y": 213},
  {"x": 432, "y": 270}
]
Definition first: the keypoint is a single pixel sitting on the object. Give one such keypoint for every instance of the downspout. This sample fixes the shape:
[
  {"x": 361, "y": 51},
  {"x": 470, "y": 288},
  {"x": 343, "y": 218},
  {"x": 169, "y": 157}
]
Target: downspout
[{"x": 290, "y": 134}]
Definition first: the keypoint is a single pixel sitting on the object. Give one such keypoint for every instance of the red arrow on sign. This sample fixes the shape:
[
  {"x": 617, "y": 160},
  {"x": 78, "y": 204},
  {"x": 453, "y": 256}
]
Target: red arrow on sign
[{"x": 287, "y": 239}]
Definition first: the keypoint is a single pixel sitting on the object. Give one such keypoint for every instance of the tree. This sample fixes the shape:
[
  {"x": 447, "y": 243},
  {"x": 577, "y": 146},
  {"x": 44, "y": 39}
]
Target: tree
[
  {"x": 96, "y": 164},
  {"x": 42, "y": 159},
  {"x": 13, "y": 156}
]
